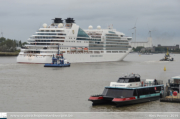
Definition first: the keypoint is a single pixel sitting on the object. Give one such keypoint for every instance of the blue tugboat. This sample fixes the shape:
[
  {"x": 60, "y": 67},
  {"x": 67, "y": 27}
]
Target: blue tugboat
[{"x": 59, "y": 61}]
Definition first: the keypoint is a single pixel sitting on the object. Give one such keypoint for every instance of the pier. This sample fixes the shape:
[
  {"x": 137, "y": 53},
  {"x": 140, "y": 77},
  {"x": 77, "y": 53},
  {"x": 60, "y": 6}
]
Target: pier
[{"x": 175, "y": 99}]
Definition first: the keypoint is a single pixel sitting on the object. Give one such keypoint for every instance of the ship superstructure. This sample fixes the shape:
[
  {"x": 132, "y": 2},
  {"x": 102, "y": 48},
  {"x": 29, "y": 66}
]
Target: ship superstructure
[{"x": 76, "y": 44}]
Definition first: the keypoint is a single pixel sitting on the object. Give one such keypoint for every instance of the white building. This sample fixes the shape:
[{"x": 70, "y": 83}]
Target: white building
[{"x": 142, "y": 44}]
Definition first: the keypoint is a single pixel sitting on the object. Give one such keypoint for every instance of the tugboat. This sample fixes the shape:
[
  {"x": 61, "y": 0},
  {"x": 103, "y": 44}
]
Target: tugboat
[
  {"x": 167, "y": 57},
  {"x": 129, "y": 90},
  {"x": 59, "y": 61}
]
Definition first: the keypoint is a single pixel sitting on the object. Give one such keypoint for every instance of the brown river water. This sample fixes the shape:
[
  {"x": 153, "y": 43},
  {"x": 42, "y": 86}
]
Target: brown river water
[{"x": 33, "y": 88}]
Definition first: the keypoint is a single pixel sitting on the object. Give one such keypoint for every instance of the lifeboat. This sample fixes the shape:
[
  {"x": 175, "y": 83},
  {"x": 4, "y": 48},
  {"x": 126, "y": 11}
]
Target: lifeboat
[
  {"x": 73, "y": 49},
  {"x": 79, "y": 49},
  {"x": 85, "y": 49}
]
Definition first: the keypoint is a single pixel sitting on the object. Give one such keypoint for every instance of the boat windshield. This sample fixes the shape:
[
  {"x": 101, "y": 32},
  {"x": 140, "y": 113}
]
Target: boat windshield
[
  {"x": 126, "y": 80},
  {"x": 123, "y": 80}
]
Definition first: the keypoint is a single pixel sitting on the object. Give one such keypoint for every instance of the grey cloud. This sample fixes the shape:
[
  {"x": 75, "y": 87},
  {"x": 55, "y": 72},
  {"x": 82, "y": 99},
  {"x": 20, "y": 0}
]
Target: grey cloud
[{"x": 29, "y": 15}]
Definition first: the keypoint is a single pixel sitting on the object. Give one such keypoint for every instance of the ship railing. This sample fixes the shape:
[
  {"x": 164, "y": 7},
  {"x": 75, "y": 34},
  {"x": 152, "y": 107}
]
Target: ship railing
[
  {"x": 50, "y": 38},
  {"x": 31, "y": 53},
  {"x": 79, "y": 53},
  {"x": 96, "y": 95},
  {"x": 144, "y": 83}
]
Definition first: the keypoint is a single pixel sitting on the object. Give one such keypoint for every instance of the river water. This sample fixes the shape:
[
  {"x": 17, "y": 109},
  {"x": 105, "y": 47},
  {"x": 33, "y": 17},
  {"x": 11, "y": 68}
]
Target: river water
[{"x": 33, "y": 88}]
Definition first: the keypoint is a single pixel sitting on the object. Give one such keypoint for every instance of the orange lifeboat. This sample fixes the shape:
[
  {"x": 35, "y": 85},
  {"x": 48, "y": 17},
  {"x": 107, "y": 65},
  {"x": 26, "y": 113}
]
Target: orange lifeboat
[
  {"x": 73, "y": 49},
  {"x": 85, "y": 48},
  {"x": 79, "y": 49}
]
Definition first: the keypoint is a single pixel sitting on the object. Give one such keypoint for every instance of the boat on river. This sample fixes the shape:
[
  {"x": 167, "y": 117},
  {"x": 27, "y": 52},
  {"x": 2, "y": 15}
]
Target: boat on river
[
  {"x": 167, "y": 57},
  {"x": 129, "y": 90},
  {"x": 58, "y": 61}
]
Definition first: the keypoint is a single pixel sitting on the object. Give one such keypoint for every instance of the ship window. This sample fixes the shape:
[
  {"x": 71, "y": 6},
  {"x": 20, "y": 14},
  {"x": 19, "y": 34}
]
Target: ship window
[
  {"x": 151, "y": 90},
  {"x": 143, "y": 91},
  {"x": 137, "y": 79},
  {"x": 121, "y": 81},
  {"x": 135, "y": 93},
  {"x": 81, "y": 33},
  {"x": 114, "y": 51},
  {"x": 111, "y": 32},
  {"x": 126, "y": 80},
  {"x": 118, "y": 93},
  {"x": 132, "y": 80}
]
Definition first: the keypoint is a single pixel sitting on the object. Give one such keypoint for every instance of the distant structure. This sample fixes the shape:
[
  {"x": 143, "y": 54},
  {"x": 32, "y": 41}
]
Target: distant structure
[
  {"x": 18, "y": 48},
  {"x": 148, "y": 49},
  {"x": 2, "y": 34},
  {"x": 142, "y": 44},
  {"x": 176, "y": 47}
]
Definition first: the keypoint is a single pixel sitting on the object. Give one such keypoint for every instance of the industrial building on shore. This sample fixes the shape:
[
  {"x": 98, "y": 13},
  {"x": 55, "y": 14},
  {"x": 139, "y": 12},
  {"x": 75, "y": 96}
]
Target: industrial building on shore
[
  {"x": 176, "y": 47},
  {"x": 142, "y": 44}
]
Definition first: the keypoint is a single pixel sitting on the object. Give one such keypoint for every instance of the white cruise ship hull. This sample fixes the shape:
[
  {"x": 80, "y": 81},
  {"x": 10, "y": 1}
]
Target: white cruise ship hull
[
  {"x": 75, "y": 58},
  {"x": 76, "y": 44}
]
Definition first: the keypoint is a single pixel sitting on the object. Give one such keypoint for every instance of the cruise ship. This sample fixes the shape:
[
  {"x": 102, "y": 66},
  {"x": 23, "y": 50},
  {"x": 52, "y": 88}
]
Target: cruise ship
[{"x": 76, "y": 44}]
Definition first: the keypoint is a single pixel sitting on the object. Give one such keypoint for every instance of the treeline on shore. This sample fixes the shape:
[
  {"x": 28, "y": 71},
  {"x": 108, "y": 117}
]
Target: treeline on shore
[
  {"x": 9, "y": 53},
  {"x": 10, "y": 45}
]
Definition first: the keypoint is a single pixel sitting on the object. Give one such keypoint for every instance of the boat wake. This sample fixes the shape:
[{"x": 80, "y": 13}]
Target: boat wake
[{"x": 154, "y": 61}]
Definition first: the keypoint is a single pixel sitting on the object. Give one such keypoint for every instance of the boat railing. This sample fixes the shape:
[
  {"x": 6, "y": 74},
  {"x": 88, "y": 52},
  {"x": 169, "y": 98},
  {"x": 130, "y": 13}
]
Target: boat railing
[
  {"x": 97, "y": 95},
  {"x": 157, "y": 82}
]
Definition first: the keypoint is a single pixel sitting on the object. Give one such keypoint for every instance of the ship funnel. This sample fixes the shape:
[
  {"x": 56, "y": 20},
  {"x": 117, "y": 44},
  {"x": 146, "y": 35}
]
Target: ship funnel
[
  {"x": 70, "y": 20},
  {"x": 58, "y": 20}
]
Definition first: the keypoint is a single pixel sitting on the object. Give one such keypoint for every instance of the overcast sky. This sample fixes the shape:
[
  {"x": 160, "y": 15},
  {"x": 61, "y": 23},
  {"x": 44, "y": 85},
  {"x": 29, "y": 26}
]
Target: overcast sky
[{"x": 19, "y": 19}]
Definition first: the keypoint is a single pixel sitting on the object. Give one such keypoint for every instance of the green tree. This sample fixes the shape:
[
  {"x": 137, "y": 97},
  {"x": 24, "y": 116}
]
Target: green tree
[
  {"x": 24, "y": 43},
  {"x": 7, "y": 45},
  {"x": 138, "y": 49},
  {"x": 2, "y": 39},
  {"x": 20, "y": 44}
]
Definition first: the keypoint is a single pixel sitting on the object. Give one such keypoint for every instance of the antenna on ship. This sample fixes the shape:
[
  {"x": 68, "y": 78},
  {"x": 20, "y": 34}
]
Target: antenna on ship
[
  {"x": 132, "y": 35},
  {"x": 150, "y": 33},
  {"x": 135, "y": 29},
  {"x": 2, "y": 34},
  {"x": 149, "y": 30}
]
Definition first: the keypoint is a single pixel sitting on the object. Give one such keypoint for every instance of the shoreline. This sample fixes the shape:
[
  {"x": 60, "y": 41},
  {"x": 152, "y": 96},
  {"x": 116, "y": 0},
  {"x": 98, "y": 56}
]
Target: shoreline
[{"x": 9, "y": 53}]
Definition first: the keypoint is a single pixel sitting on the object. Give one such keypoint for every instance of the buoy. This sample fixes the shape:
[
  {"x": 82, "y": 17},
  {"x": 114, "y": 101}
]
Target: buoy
[
  {"x": 164, "y": 68},
  {"x": 175, "y": 93}
]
